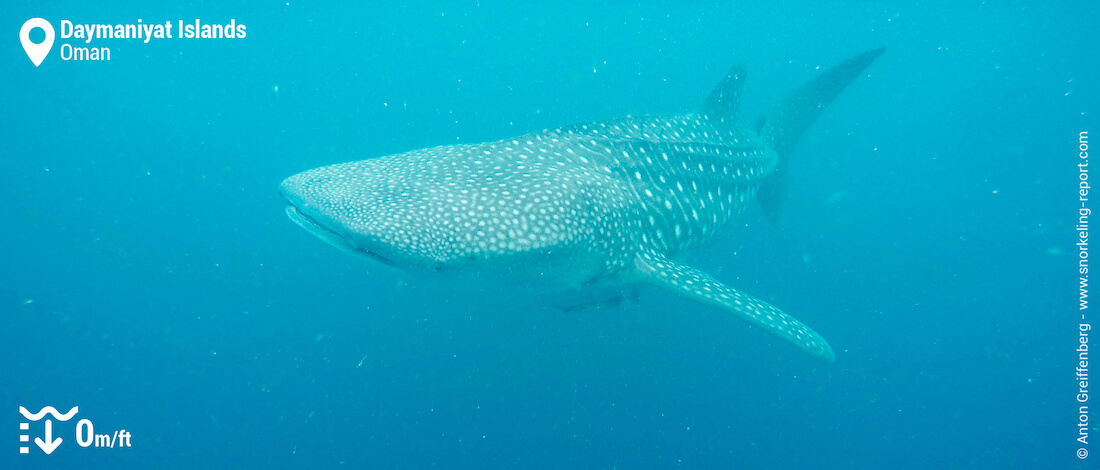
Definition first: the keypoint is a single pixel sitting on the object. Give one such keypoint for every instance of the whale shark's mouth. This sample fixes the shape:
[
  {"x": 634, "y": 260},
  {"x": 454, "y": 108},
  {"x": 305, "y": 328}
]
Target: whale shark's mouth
[
  {"x": 330, "y": 236},
  {"x": 312, "y": 226}
]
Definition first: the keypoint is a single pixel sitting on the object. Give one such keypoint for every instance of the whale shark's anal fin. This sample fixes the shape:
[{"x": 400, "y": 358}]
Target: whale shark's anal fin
[{"x": 697, "y": 285}]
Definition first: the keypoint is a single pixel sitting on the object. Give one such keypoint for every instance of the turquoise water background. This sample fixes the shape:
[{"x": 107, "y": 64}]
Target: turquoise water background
[{"x": 150, "y": 277}]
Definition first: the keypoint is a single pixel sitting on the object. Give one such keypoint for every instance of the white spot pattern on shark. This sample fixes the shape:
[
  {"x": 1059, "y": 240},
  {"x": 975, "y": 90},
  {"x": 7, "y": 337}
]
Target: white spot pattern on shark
[{"x": 610, "y": 203}]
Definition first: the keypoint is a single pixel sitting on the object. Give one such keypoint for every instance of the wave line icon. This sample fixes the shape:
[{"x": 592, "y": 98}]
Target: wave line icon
[{"x": 49, "y": 409}]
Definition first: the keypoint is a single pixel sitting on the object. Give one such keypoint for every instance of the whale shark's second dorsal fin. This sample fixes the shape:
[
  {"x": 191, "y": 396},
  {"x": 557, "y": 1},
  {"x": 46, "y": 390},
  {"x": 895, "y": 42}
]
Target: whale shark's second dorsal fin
[
  {"x": 697, "y": 285},
  {"x": 722, "y": 103},
  {"x": 785, "y": 125}
]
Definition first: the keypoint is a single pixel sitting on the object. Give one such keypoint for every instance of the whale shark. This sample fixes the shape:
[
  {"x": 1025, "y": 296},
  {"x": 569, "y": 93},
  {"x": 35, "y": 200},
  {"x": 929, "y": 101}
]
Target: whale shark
[{"x": 605, "y": 206}]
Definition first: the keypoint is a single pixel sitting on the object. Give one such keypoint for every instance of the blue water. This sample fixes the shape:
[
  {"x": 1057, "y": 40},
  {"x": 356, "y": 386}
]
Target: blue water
[{"x": 150, "y": 277}]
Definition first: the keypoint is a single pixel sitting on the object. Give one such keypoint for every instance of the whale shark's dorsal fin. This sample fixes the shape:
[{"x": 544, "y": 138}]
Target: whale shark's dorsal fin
[
  {"x": 786, "y": 124},
  {"x": 722, "y": 103},
  {"x": 697, "y": 285}
]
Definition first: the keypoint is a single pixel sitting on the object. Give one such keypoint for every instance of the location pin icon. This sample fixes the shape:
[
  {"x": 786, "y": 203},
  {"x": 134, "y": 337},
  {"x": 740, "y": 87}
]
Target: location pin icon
[{"x": 37, "y": 52}]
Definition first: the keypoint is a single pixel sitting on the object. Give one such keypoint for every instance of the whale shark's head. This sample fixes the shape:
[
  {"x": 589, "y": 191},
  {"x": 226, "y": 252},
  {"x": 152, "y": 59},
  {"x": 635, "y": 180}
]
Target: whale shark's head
[
  {"x": 361, "y": 209},
  {"x": 453, "y": 207}
]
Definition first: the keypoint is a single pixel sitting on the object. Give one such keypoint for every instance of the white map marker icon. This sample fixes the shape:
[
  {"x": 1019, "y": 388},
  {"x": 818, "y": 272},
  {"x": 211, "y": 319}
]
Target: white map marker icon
[{"x": 37, "y": 52}]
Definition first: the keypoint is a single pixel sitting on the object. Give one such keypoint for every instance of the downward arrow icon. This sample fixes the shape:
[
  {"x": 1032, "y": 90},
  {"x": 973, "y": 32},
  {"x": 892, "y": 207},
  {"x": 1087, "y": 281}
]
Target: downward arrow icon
[{"x": 50, "y": 443}]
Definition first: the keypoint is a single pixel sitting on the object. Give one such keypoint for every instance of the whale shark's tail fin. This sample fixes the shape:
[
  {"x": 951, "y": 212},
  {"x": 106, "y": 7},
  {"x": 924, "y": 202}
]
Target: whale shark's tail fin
[{"x": 782, "y": 128}]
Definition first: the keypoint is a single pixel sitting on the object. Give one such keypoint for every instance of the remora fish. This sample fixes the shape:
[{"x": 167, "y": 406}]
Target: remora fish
[{"x": 611, "y": 203}]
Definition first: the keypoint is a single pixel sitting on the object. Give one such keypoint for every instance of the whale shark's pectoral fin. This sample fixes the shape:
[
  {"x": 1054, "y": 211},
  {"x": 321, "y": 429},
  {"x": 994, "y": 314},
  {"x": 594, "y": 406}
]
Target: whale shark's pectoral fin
[{"x": 699, "y": 286}]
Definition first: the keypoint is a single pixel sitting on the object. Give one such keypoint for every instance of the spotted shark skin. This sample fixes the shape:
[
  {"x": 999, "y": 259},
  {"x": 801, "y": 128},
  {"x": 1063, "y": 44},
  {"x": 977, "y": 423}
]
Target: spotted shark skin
[{"x": 611, "y": 204}]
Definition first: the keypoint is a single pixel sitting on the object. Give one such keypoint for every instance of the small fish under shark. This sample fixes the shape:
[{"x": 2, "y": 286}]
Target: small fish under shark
[{"x": 608, "y": 205}]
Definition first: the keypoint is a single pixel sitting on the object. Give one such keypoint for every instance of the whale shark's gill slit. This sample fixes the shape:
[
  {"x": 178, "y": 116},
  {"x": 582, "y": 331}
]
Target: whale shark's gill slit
[{"x": 378, "y": 257}]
